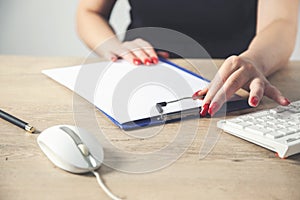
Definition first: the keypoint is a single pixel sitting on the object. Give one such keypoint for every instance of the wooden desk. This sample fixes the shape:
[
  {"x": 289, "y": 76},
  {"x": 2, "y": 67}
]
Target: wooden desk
[{"x": 235, "y": 169}]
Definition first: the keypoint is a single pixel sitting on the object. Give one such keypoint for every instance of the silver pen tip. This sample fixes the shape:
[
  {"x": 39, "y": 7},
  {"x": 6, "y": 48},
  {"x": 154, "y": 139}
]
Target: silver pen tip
[{"x": 29, "y": 128}]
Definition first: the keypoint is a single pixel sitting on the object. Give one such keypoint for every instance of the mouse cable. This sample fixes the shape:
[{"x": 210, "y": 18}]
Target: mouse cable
[{"x": 105, "y": 189}]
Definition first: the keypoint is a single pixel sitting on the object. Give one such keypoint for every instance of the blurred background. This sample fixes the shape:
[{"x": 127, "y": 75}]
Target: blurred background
[{"x": 47, "y": 28}]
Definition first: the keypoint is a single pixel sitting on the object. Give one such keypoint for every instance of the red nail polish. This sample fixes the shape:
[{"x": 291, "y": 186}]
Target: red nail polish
[
  {"x": 154, "y": 60},
  {"x": 254, "y": 101},
  {"x": 147, "y": 61},
  {"x": 195, "y": 95},
  {"x": 113, "y": 59},
  {"x": 213, "y": 108},
  {"x": 287, "y": 101},
  {"x": 137, "y": 61},
  {"x": 204, "y": 110},
  {"x": 164, "y": 54}
]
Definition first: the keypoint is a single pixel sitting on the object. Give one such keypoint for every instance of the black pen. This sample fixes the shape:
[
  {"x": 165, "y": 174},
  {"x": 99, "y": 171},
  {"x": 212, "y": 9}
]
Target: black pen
[{"x": 16, "y": 121}]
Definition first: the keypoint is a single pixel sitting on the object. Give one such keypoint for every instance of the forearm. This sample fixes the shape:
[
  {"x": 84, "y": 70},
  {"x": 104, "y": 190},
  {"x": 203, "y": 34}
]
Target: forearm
[
  {"x": 271, "y": 48},
  {"x": 93, "y": 27}
]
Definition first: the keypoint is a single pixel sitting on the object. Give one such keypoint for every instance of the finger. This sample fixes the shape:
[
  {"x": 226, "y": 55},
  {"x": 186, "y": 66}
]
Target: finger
[
  {"x": 148, "y": 49},
  {"x": 131, "y": 58},
  {"x": 210, "y": 93},
  {"x": 231, "y": 85},
  {"x": 138, "y": 52},
  {"x": 111, "y": 56},
  {"x": 273, "y": 93},
  {"x": 122, "y": 52},
  {"x": 228, "y": 67},
  {"x": 200, "y": 93},
  {"x": 163, "y": 54},
  {"x": 256, "y": 92}
]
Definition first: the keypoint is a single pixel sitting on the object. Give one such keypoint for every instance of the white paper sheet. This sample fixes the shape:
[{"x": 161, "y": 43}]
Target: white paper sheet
[{"x": 127, "y": 92}]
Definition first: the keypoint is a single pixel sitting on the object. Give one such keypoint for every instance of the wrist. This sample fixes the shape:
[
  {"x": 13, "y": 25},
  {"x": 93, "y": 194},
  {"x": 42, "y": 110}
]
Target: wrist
[{"x": 108, "y": 46}]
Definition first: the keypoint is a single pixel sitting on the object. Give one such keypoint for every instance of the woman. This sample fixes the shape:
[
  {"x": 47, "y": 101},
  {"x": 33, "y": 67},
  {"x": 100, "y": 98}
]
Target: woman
[{"x": 260, "y": 34}]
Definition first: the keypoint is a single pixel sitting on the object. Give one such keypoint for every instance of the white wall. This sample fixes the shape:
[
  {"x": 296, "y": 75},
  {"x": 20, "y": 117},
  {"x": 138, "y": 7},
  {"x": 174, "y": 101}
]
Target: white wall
[
  {"x": 39, "y": 27},
  {"x": 47, "y": 27}
]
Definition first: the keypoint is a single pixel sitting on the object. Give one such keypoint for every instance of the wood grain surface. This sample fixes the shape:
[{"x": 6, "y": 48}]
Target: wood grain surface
[{"x": 234, "y": 169}]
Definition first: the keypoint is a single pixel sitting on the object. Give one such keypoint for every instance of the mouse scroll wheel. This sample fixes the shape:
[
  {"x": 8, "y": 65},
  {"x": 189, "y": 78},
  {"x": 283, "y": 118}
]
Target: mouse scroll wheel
[{"x": 84, "y": 150}]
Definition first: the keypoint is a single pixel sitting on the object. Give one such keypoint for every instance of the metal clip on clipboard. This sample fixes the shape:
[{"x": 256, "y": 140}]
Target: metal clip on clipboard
[
  {"x": 229, "y": 106},
  {"x": 188, "y": 113},
  {"x": 191, "y": 113}
]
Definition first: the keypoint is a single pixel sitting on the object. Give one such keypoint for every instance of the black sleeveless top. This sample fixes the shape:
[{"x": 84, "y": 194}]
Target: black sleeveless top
[{"x": 222, "y": 27}]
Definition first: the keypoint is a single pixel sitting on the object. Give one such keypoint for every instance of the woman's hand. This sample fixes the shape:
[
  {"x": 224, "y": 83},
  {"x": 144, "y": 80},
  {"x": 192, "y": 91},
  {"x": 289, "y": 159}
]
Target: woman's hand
[
  {"x": 95, "y": 31},
  {"x": 137, "y": 51},
  {"x": 268, "y": 52},
  {"x": 235, "y": 73}
]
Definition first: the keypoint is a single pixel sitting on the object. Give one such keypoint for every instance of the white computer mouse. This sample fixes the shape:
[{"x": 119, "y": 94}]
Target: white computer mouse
[{"x": 71, "y": 148}]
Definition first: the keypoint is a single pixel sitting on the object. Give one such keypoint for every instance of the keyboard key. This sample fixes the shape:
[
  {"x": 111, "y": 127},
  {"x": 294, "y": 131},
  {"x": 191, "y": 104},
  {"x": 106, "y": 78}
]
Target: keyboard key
[
  {"x": 278, "y": 109},
  {"x": 286, "y": 131},
  {"x": 294, "y": 110},
  {"x": 296, "y": 128},
  {"x": 246, "y": 117},
  {"x": 272, "y": 127},
  {"x": 260, "y": 120},
  {"x": 274, "y": 122},
  {"x": 281, "y": 121},
  {"x": 274, "y": 135},
  {"x": 296, "y": 116},
  {"x": 257, "y": 130},
  {"x": 295, "y": 104},
  {"x": 254, "y": 121},
  {"x": 291, "y": 140},
  {"x": 293, "y": 122},
  {"x": 236, "y": 120},
  {"x": 260, "y": 114},
  {"x": 280, "y": 116},
  {"x": 239, "y": 125},
  {"x": 277, "y": 129}
]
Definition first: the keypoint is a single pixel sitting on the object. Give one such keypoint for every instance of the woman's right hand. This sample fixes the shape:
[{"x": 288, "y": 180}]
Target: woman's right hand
[{"x": 137, "y": 51}]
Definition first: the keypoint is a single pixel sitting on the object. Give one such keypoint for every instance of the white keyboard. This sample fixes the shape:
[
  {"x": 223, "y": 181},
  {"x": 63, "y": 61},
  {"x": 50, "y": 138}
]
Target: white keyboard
[{"x": 277, "y": 129}]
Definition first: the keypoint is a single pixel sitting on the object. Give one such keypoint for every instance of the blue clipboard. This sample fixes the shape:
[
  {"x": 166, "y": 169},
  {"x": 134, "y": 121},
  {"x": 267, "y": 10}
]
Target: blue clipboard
[
  {"x": 193, "y": 113},
  {"x": 60, "y": 73},
  {"x": 229, "y": 106}
]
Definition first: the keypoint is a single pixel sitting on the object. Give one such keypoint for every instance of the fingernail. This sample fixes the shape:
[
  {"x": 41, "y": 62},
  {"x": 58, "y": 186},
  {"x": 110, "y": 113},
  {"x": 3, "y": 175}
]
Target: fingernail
[
  {"x": 147, "y": 61},
  {"x": 113, "y": 59},
  {"x": 213, "y": 108},
  {"x": 204, "y": 110},
  {"x": 164, "y": 54},
  {"x": 254, "y": 101},
  {"x": 287, "y": 102},
  {"x": 137, "y": 61},
  {"x": 195, "y": 95},
  {"x": 154, "y": 60}
]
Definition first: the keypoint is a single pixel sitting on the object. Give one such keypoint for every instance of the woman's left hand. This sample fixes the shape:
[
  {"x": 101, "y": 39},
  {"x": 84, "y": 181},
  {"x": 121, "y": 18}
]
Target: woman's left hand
[{"x": 235, "y": 73}]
